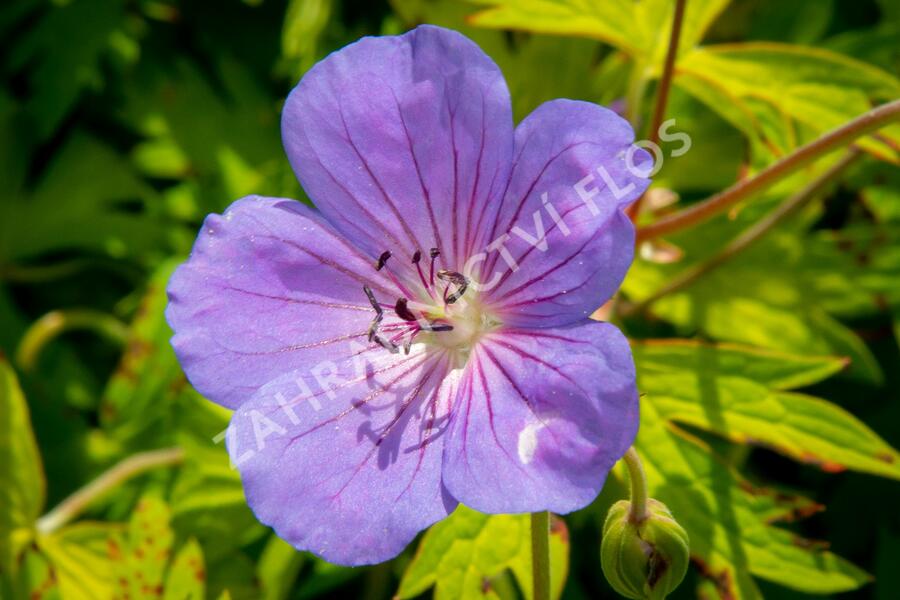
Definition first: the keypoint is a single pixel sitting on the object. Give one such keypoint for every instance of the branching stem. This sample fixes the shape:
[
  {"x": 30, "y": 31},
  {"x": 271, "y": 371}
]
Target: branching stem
[{"x": 836, "y": 138}]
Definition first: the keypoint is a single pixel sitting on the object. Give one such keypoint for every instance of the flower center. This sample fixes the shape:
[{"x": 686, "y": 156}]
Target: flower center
[
  {"x": 469, "y": 321},
  {"x": 447, "y": 314}
]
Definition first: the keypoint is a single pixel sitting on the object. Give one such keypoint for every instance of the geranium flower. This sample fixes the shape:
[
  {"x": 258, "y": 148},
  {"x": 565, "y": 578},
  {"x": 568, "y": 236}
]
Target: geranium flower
[{"x": 423, "y": 338}]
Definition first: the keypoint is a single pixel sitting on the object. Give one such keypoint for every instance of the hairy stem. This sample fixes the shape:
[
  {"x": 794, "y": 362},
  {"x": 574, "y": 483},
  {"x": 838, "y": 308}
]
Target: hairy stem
[
  {"x": 638, "y": 485},
  {"x": 74, "y": 505},
  {"x": 836, "y": 138},
  {"x": 662, "y": 91},
  {"x": 752, "y": 234},
  {"x": 540, "y": 554}
]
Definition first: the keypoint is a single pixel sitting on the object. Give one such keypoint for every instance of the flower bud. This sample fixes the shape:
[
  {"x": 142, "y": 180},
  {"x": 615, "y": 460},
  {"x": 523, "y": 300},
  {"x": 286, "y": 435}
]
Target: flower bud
[{"x": 645, "y": 560}]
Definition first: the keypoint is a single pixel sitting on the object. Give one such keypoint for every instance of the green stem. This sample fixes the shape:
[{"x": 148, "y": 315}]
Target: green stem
[
  {"x": 134, "y": 465},
  {"x": 540, "y": 554},
  {"x": 836, "y": 138},
  {"x": 638, "y": 485},
  {"x": 662, "y": 90},
  {"x": 57, "y": 322},
  {"x": 665, "y": 81},
  {"x": 751, "y": 235}
]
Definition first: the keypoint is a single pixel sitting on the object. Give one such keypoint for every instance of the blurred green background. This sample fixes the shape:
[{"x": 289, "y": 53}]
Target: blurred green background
[{"x": 124, "y": 122}]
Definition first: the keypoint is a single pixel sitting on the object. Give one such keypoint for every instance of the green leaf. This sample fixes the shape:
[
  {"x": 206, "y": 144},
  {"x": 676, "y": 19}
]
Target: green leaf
[
  {"x": 735, "y": 393},
  {"x": 611, "y": 22},
  {"x": 142, "y": 554},
  {"x": 777, "y": 370},
  {"x": 57, "y": 78},
  {"x": 743, "y": 82},
  {"x": 639, "y": 28},
  {"x": 304, "y": 23},
  {"x": 36, "y": 579},
  {"x": 536, "y": 68},
  {"x": 818, "y": 88},
  {"x": 224, "y": 163},
  {"x": 277, "y": 568},
  {"x": 460, "y": 555},
  {"x": 729, "y": 521},
  {"x": 81, "y": 558},
  {"x": 22, "y": 484},
  {"x": 854, "y": 270},
  {"x": 186, "y": 579},
  {"x": 208, "y": 500},
  {"x": 774, "y": 295},
  {"x": 559, "y": 561},
  {"x": 137, "y": 404},
  {"x": 66, "y": 210}
]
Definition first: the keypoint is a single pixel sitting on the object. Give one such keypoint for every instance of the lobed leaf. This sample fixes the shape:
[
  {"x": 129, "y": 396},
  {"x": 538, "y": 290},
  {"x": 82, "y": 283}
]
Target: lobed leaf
[
  {"x": 738, "y": 394},
  {"x": 817, "y": 88},
  {"x": 142, "y": 555},
  {"x": 729, "y": 520},
  {"x": 22, "y": 483},
  {"x": 639, "y": 28},
  {"x": 186, "y": 578},
  {"x": 773, "y": 295},
  {"x": 461, "y": 555},
  {"x": 82, "y": 559}
]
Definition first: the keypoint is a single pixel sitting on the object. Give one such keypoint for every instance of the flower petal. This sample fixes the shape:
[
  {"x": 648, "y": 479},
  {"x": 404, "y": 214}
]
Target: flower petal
[
  {"x": 540, "y": 418},
  {"x": 269, "y": 288},
  {"x": 353, "y": 477},
  {"x": 404, "y": 142},
  {"x": 568, "y": 251}
]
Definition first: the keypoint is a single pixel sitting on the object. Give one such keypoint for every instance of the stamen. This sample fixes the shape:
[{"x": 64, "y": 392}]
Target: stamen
[
  {"x": 416, "y": 258},
  {"x": 458, "y": 279},
  {"x": 382, "y": 263},
  {"x": 434, "y": 253},
  {"x": 373, "y": 334},
  {"x": 436, "y": 328},
  {"x": 382, "y": 260},
  {"x": 379, "y": 313},
  {"x": 413, "y": 323},
  {"x": 403, "y": 311},
  {"x": 387, "y": 344}
]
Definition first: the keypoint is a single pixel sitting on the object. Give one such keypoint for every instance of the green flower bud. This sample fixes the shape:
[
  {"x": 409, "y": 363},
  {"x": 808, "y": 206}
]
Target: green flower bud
[{"x": 646, "y": 560}]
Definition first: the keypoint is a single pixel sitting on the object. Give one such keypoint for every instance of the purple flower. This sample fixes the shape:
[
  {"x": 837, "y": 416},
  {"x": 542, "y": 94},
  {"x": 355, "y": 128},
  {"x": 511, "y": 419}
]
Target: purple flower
[{"x": 423, "y": 338}]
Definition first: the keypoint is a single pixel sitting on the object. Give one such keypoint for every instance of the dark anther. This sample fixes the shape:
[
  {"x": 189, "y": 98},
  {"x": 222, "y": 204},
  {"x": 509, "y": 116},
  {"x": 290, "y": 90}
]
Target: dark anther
[
  {"x": 417, "y": 256},
  {"x": 379, "y": 313},
  {"x": 403, "y": 311},
  {"x": 387, "y": 344},
  {"x": 382, "y": 260},
  {"x": 441, "y": 327},
  {"x": 458, "y": 279},
  {"x": 374, "y": 336},
  {"x": 433, "y": 253}
]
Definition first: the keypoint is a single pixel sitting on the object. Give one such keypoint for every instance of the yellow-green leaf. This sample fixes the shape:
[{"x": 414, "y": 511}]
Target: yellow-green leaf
[
  {"x": 772, "y": 295},
  {"x": 461, "y": 555},
  {"x": 22, "y": 484},
  {"x": 81, "y": 558},
  {"x": 731, "y": 392},
  {"x": 186, "y": 579},
  {"x": 818, "y": 88},
  {"x": 639, "y": 28},
  {"x": 729, "y": 521},
  {"x": 35, "y": 579},
  {"x": 141, "y": 556}
]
